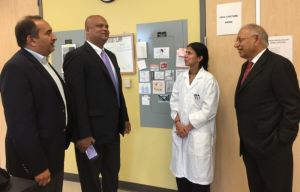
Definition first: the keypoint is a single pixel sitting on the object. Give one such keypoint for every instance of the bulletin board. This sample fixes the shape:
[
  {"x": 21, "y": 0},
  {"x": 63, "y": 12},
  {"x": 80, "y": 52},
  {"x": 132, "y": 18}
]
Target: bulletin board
[
  {"x": 122, "y": 46},
  {"x": 156, "y": 113}
]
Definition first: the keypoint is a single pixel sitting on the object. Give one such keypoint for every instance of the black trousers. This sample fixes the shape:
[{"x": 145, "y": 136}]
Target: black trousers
[
  {"x": 271, "y": 174},
  {"x": 108, "y": 164},
  {"x": 55, "y": 185},
  {"x": 185, "y": 185}
]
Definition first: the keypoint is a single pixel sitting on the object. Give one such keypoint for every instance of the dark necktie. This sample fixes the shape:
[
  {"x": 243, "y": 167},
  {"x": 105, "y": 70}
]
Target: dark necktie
[
  {"x": 249, "y": 65},
  {"x": 110, "y": 70}
]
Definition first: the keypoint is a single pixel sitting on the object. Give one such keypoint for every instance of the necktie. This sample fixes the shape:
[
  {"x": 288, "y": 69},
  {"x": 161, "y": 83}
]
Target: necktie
[
  {"x": 249, "y": 65},
  {"x": 110, "y": 70}
]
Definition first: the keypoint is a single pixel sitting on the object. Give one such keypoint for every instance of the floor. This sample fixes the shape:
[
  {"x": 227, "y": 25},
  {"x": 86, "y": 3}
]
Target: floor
[{"x": 75, "y": 187}]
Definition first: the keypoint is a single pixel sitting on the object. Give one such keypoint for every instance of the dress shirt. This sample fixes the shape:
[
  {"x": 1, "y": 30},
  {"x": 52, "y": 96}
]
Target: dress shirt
[
  {"x": 255, "y": 59},
  {"x": 44, "y": 61}
]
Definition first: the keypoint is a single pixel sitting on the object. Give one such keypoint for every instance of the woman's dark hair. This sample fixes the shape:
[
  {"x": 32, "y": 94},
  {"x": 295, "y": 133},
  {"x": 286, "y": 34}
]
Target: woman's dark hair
[
  {"x": 25, "y": 27},
  {"x": 201, "y": 50}
]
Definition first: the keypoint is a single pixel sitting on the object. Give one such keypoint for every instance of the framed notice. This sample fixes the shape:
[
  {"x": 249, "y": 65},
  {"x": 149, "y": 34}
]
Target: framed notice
[{"x": 122, "y": 47}]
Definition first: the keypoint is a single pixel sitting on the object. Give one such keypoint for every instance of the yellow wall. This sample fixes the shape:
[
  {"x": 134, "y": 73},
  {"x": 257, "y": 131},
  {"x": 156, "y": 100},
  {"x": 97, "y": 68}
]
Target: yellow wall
[{"x": 146, "y": 152}]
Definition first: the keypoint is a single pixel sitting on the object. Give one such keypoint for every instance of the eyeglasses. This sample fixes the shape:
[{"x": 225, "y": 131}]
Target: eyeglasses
[{"x": 240, "y": 39}]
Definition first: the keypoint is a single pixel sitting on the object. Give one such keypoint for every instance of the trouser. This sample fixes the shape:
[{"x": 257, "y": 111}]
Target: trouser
[
  {"x": 108, "y": 164},
  {"x": 271, "y": 174},
  {"x": 185, "y": 185}
]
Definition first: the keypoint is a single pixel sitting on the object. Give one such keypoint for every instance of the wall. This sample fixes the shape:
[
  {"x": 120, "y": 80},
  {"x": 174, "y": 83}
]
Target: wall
[
  {"x": 11, "y": 11},
  {"x": 146, "y": 152}
]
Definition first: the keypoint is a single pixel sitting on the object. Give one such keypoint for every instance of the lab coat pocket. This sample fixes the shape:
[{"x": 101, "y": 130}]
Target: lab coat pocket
[
  {"x": 197, "y": 100},
  {"x": 200, "y": 143}
]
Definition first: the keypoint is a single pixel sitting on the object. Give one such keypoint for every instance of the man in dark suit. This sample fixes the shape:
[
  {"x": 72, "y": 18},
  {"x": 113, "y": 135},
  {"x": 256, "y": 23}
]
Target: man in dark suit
[
  {"x": 37, "y": 108},
  {"x": 267, "y": 103},
  {"x": 93, "y": 76}
]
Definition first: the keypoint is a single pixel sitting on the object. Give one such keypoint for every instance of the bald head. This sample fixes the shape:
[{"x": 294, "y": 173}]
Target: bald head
[
  {"x": 96, "y": 29},
  {"x": 89, "y": 20}
]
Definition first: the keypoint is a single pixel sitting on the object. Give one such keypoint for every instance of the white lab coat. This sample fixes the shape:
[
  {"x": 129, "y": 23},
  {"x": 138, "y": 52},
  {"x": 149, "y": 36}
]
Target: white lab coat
[{"x": 193, "y": 156}]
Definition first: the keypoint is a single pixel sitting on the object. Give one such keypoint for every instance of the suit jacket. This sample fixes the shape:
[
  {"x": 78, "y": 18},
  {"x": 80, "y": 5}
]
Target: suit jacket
[
  {"x": 35, "y": 116},
  {"x": 95, "y": 97},
  {"x": 268, "y": 105}
]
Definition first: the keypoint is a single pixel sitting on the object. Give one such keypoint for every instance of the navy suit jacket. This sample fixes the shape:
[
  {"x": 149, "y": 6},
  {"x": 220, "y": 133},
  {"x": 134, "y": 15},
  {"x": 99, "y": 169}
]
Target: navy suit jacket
[
  {"x": 268, "y": 105},
  {"x": 95, "y": 97},
  {"x": 35, "y": 116}
]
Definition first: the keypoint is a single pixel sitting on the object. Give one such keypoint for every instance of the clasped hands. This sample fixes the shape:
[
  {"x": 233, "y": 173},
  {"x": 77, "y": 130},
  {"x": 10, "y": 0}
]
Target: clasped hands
[{"x": 183, "y": 131}]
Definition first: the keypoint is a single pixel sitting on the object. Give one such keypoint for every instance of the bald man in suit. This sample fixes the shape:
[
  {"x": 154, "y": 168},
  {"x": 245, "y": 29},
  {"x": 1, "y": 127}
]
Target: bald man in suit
[{"x": 93, "y": 77}]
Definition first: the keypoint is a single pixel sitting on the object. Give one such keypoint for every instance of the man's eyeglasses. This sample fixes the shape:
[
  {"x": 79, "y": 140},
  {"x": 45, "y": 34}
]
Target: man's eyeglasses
[{"x": 240, "y": 39}]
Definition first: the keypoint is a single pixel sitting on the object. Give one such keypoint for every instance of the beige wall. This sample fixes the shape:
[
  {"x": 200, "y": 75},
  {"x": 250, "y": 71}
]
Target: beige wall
[
  {"x": 278, "y": 18},
  {"x": 11, "y": 11}
]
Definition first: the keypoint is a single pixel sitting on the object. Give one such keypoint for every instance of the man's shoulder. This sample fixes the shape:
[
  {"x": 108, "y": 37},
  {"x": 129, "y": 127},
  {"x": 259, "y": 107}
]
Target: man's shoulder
[
  {"x": 18, "y": 59},
  {"x": 278, "y": 64},
  {"x": 79, "y": 50},
  {"x": 277, "y": 57}
]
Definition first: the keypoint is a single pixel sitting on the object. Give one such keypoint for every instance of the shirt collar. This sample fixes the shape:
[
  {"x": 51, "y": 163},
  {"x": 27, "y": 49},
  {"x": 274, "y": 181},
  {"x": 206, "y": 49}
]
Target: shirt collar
[
  {"x": 96, "y": 48},
  {"x": 199, "y": 74},
  {"x": 255, "y": 59},
  {"x": 42, "y": 59}
]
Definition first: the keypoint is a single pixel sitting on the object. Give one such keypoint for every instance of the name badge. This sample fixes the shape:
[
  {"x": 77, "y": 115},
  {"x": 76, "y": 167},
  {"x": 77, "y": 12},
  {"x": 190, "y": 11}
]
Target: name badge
[{"x": 197, "y": 96}]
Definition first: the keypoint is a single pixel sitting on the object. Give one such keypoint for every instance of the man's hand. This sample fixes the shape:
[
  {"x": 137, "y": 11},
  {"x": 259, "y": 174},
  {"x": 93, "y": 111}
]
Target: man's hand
[
  {"x": 43, "y": 178},
  {"x": 83, "y": 144},
  {"x": 127, "y": 127}
]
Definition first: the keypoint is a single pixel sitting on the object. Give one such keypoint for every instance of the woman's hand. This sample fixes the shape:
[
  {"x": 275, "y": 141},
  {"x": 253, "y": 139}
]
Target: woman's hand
[{"x": 181, "y": 130}]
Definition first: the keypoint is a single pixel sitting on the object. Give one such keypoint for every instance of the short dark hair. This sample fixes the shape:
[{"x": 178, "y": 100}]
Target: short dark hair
[
  {"x": 201, "y": 50},
  {"x": 26, "y": 27}
]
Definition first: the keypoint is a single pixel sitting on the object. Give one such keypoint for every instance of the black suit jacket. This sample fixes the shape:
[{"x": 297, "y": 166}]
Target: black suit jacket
[
  {"x": 268, "y": 105},
  {"x": 95, "y": 97},
  {"x": 35, "y": 116}
]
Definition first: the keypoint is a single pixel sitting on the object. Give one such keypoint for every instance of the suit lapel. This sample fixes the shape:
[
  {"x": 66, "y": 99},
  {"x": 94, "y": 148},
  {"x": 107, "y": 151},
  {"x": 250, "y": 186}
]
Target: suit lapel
[
  {"x": 96, "y": 58},
  {"x": 41, "y": 69},
  {"x": 256, "y": 69},
  {"x": 240, "y": 78}
]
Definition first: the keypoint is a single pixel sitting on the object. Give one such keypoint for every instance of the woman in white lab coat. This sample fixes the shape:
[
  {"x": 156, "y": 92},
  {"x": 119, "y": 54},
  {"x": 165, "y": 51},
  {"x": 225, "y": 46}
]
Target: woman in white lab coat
[{"x": 194, "y": 104}]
